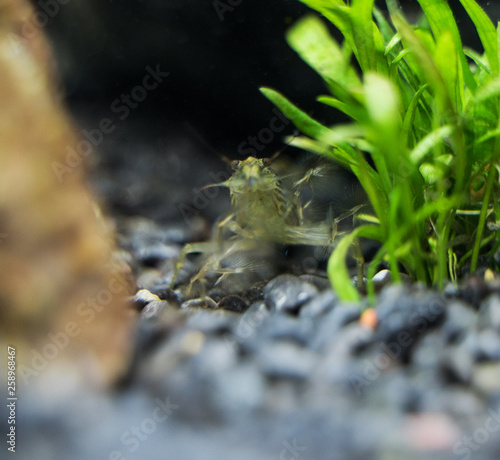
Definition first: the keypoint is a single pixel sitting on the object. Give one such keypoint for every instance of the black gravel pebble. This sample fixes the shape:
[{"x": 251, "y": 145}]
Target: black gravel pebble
[
  {"x": 490, "y": 313},
  {"x": 474, "y": 290},
  {"x": 403, "y": 318},
  {"x": 319, "y": 305},
  {"x": 288, "y": 292},
  {"x": 142, "y": 298},
  {"x": 332, "y": 323},
  {"x": 233, "y": 303}
]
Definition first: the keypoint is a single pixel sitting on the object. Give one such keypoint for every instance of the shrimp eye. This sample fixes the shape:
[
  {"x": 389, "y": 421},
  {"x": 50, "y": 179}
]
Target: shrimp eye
[
  {"x": 266, "y": 162},
  {"x": 235, "y": 164}
]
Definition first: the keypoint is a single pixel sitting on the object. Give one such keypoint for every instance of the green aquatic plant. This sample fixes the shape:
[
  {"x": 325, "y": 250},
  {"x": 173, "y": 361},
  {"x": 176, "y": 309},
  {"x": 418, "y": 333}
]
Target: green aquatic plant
[{"x": 423, "y": 139}]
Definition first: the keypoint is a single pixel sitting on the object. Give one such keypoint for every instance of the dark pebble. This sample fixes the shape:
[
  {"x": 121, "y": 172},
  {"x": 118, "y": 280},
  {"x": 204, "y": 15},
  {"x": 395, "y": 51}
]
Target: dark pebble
[
  {"x": 319, "y": 305},
  {"x": 320, "y": 282},
  {"x": 337, "y": 364},
  {"x": 286, "y": 360},
  {"x": 205, "y": 302},
  {"x": 285, "y": 327},
  {"x": 458, "y": 365},
  {"x": 474, "y": 290},
  {"x": 489, "y": 345},
  {"x": 426, "y": 354},
  {"x": 489, "y": 313},
  {"x": 212, "y": 322},
  {"x": 333, "y": 322},
  {"x": 459, "y": 318},
  {"x": 254, "y": 293},
  {"x": 165, "y": 293},
  {"x": 247, "y": 326},
  {"x": 154, "y": 309},
  {"x": 233, "y": 303},
  {"x": 288, "y": 293},
  {"x": 152, "y": 255},
  {"x": 392, "y": 388},
  {"x": 142, "y": 298},
  {"x": 404, "y": 316}
]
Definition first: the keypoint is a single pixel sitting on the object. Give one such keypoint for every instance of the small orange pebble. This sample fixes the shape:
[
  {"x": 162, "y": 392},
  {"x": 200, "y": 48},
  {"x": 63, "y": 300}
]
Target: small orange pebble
[{"x": 368, "y": 318}]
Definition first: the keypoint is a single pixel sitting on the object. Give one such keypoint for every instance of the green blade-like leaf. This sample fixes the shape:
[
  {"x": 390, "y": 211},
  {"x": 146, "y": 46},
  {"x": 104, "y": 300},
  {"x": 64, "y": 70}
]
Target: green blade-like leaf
[
  {"x": 489, "y": 90},
  {"x": 300, "y": 119},
  {"x": 362, "y": 24},
  {"x": 486, "y": 31},
  {"x": 385, "y": 28},
  {"x": 408, "y": 124},
  {"x": 445, "y": 57},
  {"x": 425, "y": 64},
  {"x": 337, "y": 12},
  {"x": 311, "y": 40},
  {"x": 337, "y": 270},
  {"x": 384, "y": 126},
  {"x": 441, "y": 19},
  {"x": 350, "y": 110},
  {"x": 338, "y": 154},
  {"x": 429, "y": 142}
]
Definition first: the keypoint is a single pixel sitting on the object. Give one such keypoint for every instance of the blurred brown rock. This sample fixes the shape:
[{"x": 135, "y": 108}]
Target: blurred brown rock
[{"x": 62, "y": 299}]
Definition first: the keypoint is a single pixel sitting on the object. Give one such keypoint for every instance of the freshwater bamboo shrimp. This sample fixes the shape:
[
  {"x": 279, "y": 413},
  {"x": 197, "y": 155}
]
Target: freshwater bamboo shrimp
[{"x": 263, "y": 213}]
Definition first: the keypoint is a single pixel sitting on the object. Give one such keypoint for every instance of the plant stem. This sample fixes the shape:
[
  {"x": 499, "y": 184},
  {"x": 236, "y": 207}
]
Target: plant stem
[{"x": 482, "y": 217}]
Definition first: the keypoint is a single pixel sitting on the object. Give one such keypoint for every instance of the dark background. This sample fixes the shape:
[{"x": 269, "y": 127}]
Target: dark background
[{"x": 208, "y": 104}]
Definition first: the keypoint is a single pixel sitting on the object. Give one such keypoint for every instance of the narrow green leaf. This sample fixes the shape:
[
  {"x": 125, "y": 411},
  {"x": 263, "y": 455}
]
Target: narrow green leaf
[
  {"x": 479, "y": 60},
  {"x": 429, "y": 142},
  {"x": 408, "y": 124},
  {"x": 337, "y": 269},
  {"x": 441, "y": 19},
  {"x": 338, "y": 154},
  {"x": 489, "y": 135},
  {"x": 348, "y": 109},
  {"x": 395, "y": 40},
  {"x": 489, "y": 90},
  {"x": 310, "y": 38},
  {"x": 425, "y": 63},
  {"x": 300, "y": 119},
  {"x": 445, "y": 57},
  {"x": 384, "y": 124},
  {"x": 362, "y": 24},
  {"x": 383, "y": 25},
  {"x": 486, "y": 31},
  {"x": 337, "y": 12}
]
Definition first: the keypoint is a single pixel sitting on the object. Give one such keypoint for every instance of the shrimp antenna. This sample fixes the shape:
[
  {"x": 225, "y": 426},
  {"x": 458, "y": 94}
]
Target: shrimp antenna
[
  {"x": 201, "y": 139},
  {"x": 218, "y": 184},
  {"x": 189, "y": 127},
  {"x": 282, "y": 149}
]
